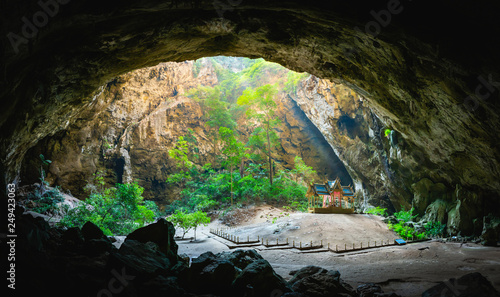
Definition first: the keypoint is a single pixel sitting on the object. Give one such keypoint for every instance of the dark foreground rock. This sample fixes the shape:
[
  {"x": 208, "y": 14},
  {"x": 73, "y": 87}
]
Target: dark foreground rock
[
  {"x": 369, "y": 290},
  {"x": 259, "y": 279},
  {"x": 55, "y": 262},
  {"x": 162, "y": 233},
  {"x": 472, "y": 284},
  {"x": 315, "y": 281}
]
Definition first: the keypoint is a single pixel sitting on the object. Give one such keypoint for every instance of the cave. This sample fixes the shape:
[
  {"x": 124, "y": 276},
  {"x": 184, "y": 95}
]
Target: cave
[{"x": 428, "y": 72}]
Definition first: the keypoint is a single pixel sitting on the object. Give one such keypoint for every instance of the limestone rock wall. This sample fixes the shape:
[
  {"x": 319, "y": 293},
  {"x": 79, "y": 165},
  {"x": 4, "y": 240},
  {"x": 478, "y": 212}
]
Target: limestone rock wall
[{"x": 140, "y": 115}]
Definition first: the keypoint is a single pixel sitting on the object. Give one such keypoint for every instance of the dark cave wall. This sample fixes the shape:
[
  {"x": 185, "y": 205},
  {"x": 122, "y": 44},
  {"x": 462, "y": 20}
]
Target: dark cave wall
[{"x": 421, "y": 73}]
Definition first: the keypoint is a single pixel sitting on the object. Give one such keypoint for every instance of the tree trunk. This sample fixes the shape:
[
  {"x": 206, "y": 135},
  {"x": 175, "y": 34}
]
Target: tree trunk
[
  {"x": 242, "y": 168},
  {"x": 269, "y": 154},
  {"x": 231, "y": 184},
  {"x": 214, "y": 156}
]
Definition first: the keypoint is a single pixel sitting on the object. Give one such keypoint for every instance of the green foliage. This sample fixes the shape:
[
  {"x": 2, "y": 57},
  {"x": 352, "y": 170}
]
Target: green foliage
[
  {"x": 197, "y": 67},
  {"x": 379, "y": 211},
  {"x": 107, "y": 145},
  {"x": 45, "y": 161},
  {"x": 433, "y": 229},
  {"x": 292, "y": 81},
  {"x": 212, "y": 190},
  {"x": 405, "y": 231},
  {"x": 180, "y": 153},
  {"x": 199, "y": 218},
  {"x": 43, "y": 199},
  {"x": 405, "y": 216},
  {"x": 262, "y": 110},
  {"x": 302, "y": 171},
  {"x": 187, "y": 221},
  {"x": 97, "y": 183},
  {"x": 181, "y": 220},
  {"x": 117, "y": 211},
  {"x": 250, "y": 92}
]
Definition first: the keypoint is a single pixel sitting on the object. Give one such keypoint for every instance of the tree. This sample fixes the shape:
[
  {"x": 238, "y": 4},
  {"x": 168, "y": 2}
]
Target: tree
[
  {"x": 181, "y": 220},
  {"x": 262, "y": 109},
  {"x": 117, "y": 211},
  {"x": 303, "y": 171},
  {"x": 233, "y": 150},
  {"x": 216, "y": 113},
  {"x": 188, "y": 221},
  {"x": 199, "y": 218},
  {"x": 180, "y": 154}
]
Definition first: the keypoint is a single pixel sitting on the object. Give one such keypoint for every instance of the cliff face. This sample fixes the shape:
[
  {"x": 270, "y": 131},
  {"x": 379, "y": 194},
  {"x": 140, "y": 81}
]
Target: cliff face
[
  {"x": 139, "y": 116},
  {"x": 129, "y": 126},
  {"x": 392, "y": 171}
]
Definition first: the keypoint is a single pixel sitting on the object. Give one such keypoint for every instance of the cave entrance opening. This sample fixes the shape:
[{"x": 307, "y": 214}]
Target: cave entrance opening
[{"x": 175, "y": 122}]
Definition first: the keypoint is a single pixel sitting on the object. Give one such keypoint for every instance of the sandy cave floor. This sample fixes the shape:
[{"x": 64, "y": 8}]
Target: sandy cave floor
[{"x": 406, "y": 270}]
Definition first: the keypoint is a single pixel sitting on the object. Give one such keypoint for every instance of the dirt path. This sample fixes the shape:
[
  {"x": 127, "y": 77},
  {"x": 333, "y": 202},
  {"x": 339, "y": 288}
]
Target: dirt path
[{"x": 407, "y": 270}]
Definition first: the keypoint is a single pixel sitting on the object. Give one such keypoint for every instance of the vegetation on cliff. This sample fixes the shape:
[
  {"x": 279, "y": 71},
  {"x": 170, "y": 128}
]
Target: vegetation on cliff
[
  {"x": 117, "y": 211},
  {"x": 248, "y": 95}
]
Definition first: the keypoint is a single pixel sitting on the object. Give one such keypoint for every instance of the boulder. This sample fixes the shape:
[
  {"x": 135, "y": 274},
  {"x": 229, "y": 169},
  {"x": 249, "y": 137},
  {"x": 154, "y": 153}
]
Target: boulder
[
  {"x": 491, "y": 231},
  {"x": 210, "y": 274},
  {"x": 197, "y": 264},
  {"x": 472, "y": 284},
  {"x": 217, "y": 277},
  {"x": 259, "y": 279},
  {"x": 240, "y": 258},
  {"x": 142, "y": 260},
  {"x": 161, "y": 286},
  {"x": 95, "y": 247},
  {"x": 305, "y": 272},
  {"x": 293, "y": 294},
  {"x": 162, "y": 233},
  {"x": 313, "y": 281},
  {"x": 368, "y": 290},
  {"x": 91, "y": 231},
  {"x": 73, "y": 236}
]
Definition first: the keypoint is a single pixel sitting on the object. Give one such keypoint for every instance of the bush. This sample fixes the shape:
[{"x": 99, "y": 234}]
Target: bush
[
  {"x": 188, "y": 221},
  {"x": 405, "y": 216},
  {"x": 45, "y": 199},
  {"x": 433, "y": 229},
  {"x": 406, "y": 232},
  {"x": 211, "y": 190},
  {"x": 117, "y": 211},
  {"x": 379, "y": 211}
]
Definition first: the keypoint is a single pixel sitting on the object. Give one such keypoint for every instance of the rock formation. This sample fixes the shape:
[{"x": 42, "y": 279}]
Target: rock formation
[
  {"x": 84, "y": 262},
  {"x": 431, "y": 79},
  {"x": 139, "y": 117}
]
